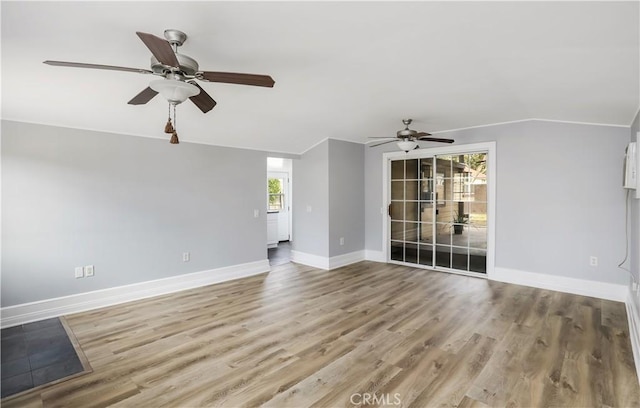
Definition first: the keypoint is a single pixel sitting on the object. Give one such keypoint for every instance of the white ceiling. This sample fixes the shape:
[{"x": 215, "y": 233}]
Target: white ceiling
[{"x": 342, "y": 70}]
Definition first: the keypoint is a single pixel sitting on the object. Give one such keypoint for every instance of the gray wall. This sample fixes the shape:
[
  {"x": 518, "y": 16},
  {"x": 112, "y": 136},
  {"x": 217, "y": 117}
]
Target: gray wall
[
  {"x": 559, "y": 197},
  {"x": 128, "y": 205},
  {"x": 346, "y": 197},
  {"x": 634, "y": 230},
  {"x": 329, "y": 178},
  {"x": 311, "y": 188}
]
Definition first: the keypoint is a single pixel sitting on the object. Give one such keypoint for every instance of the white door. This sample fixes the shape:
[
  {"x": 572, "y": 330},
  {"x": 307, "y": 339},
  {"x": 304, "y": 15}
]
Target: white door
[{"x": 278, "y": 188}]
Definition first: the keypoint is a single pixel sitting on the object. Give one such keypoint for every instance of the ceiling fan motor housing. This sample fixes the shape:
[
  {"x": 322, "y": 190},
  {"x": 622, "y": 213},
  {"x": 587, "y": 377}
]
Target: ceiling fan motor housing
[
  {"x": 188, "y": 66},
  {"x": 406, "y": 133}
]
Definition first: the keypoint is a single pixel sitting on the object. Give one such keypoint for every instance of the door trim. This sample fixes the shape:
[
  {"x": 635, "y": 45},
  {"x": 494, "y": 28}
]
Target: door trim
[
  {"x": 286, "y": 176},
  {"x": 490, "y": 148}
]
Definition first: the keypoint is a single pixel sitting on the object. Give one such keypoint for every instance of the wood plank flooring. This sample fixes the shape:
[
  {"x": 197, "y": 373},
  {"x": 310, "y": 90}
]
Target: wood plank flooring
[{"x": 366, "y": 334}]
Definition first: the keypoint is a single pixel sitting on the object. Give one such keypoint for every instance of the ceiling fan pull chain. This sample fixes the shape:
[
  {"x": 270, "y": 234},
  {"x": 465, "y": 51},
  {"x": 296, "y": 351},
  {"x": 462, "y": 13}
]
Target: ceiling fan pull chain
[
  {"x": 174, "y": 135},
  {"x": 168, "y": 128}
]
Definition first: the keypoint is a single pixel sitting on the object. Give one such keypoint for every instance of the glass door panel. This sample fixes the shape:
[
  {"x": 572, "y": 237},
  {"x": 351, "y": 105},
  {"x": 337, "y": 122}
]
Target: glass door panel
[
  {"x": 397, "y": 211},
  {"x": 443, "y": 234},
  {"x": 426, "y": 233},
  {"x": 426, "y": 211},
  {"x": 411, "y": 231},
  {"x": 411, "y": 190},
  {"x": 411, "y": 211},
  {"x": 461, "y": 218},
  {"x": 397, "y": 251},
  {"x": 459, "y": 240},
  {"x": 411, "y": 169},
  {"x": 397, "y": 231},
  {"x": 477, "y": 237},
  {"x": 426, "y": 168},
  {"x": 411, "y": 253},
  {"x": 397, "y": 190},
  {"x": 426, "y": 255},
  {"x": 443, "y": 256},
  {"x": 439, "y": 211},
  {"x": 397, "y": 170},
  {"x": 478, "y": 261},
  {"x": 460, "y": 258},
  {"x": 478, "y": 213}
]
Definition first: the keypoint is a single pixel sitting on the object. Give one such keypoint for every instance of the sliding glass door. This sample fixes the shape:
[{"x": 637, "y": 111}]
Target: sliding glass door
[
  {"x": 410, "y": 215},
  {"x": 438, "y": 211}
]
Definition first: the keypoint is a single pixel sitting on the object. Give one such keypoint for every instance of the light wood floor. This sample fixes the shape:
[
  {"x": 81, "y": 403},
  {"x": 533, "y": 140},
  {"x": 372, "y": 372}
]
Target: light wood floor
[{"x": 299, "y": 337}]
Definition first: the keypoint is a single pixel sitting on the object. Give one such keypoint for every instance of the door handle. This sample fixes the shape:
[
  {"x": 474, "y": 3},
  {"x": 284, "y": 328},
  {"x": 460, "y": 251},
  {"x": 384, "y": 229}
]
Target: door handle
[{"x": 389, "y": 210}]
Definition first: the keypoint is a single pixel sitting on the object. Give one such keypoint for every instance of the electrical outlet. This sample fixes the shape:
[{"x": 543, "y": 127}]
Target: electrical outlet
[
  {"x": 186, "y": 257},
  {"x": 634, "y": 286},
  {"x": 88, "y": 271},
  {"x": 256, "y": 213},
  {"x": 593, "y": 261},
  {"x": 341, "y": 240},
  {"x": 79, "y": 272},
  {"x": 308, "y": 208}
]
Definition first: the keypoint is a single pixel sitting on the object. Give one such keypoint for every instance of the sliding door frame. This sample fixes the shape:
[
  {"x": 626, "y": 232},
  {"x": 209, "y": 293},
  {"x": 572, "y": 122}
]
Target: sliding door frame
[{"x": 490, "y": 148}]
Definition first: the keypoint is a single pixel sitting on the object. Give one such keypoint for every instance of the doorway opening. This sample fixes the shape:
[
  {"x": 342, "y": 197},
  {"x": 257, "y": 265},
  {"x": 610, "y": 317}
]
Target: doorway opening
[{"x": 279, "y": 203}]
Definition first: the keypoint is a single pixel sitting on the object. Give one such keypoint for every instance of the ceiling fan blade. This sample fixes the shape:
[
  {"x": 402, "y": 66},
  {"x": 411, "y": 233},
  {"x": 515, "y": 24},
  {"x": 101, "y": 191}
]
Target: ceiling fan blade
[
  {"x": 381, "y": 143},
  {"x": 202, "y": 100},
  {"x": 421, "y": 134},
  {"x": 143, "y": 97},
  {"x": 436, "y": 139},
  {"x": 161, "y": 49},
  {"x": 96, "y": 66},
  {"x": 235, "y": 78}
]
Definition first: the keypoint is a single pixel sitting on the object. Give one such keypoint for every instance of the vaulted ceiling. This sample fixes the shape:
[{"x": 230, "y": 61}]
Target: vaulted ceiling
[{"x": 345, "y": 70}]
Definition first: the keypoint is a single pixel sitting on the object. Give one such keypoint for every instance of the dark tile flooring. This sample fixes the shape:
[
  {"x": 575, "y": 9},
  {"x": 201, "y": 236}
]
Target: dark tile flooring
[
  {"x": 34, "y": 354},
  {"x": 281, "y": 254}
]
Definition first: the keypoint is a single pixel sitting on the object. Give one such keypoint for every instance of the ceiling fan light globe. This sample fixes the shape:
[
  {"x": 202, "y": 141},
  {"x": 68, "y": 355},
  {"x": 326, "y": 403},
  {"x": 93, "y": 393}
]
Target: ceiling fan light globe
[
  {"x": 407, "y": 145},
  {"x": 173, "y": 90}
]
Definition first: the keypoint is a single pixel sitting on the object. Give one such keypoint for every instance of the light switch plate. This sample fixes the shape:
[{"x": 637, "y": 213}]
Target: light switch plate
[{"x": 88, "y": 271}]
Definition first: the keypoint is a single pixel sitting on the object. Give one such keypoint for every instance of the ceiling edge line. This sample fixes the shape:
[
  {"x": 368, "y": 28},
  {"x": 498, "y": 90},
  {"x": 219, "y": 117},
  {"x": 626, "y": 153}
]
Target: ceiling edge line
[
  {"x": 314, "y": 146},
  {"x": 182, "y": 140},
  {"x": 330, "y": 138},
  {"x": 530, "y": 120},
  {"x": 635, "y": 116}
]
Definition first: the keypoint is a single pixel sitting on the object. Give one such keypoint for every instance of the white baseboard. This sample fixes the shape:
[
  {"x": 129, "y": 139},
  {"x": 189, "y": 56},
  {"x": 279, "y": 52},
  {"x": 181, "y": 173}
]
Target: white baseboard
[
  {"x": 326, "y": 263},
  {"x": 375, "y": 256},
  {"x": 602, "y": 290},
  {"x": 317, "y": 261},
  {"x": 44, "y": 309},
  {"x": 633, "y": 314},
  {"x": 346, "y": 259}
]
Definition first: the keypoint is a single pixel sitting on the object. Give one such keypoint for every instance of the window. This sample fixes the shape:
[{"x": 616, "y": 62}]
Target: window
[{"x": 276, "y": 194}]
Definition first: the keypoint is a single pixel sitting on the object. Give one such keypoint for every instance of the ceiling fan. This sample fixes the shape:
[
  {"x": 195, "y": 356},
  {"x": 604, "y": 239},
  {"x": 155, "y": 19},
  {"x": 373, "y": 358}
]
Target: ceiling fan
[
  {"x": 179, "y": 72},
  {"x": 406, "y": 138}
]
